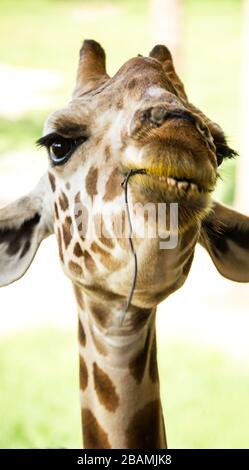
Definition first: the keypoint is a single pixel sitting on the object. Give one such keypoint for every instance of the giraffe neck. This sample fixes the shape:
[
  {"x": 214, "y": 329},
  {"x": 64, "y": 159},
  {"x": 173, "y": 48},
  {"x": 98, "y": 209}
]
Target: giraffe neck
[{"x": 120, "y": 396}]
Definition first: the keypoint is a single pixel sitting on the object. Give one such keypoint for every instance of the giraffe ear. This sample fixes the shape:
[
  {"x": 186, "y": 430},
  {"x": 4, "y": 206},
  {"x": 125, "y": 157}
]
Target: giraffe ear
[
  {"x": 91, "y": 68},
  {"x": 23, "y": 225},
  {"x": 225, "y": 235},
  {"x": 163, "y": 55}
]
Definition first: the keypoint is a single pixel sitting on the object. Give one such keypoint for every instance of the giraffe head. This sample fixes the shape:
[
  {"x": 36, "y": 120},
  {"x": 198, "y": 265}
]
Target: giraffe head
[{"x": 139, "y": 120}]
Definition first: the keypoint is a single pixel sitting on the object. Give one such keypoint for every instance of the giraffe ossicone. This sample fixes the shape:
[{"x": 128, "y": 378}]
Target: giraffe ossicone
[{"x": 139, "y": 119}]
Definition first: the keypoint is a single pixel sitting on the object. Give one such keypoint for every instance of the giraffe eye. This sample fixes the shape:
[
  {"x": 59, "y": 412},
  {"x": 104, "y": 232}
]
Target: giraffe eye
[{"x": 61, "y": 149}]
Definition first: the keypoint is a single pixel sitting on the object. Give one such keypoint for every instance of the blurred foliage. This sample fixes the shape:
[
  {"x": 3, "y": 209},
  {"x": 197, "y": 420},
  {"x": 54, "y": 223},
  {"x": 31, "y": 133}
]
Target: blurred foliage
[
  {"x": 39, "y": 395},
  {"x": 204, "y": 395},
  {"x": 203, "y": 392},
  {"x": 21, "y": 132}
]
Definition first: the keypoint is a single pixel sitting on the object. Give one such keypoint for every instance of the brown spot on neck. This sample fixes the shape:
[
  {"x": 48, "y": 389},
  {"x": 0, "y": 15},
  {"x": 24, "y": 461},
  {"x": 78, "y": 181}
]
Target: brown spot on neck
[
  {"x": 75, "y": 268},
  {"x": 145, "y": 430},
  {"x": 77, "y": 250},
  {"x": 94, "y": 435},
  {"x": 91, "y": 181},
  {"x": 81, "y": 334},
  {"x": 83, "y": 374},
  {"x": 105, "y": 389},
  {"x": 56, "y": 211},
  {"x": 153, "y": 367},
  {"x": 138, "y": 363},
  {"x": 52, "y": 181},
  {"x": 113, "y": 186},
  {"x": 89, "y": 262},
  {"x": 63, "y": 201}
]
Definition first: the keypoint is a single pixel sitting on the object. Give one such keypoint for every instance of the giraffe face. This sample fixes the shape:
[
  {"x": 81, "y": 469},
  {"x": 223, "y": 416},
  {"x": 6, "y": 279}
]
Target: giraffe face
[
  {"x": 141, "y": 120},
  {"x": 138, "y": 120}
]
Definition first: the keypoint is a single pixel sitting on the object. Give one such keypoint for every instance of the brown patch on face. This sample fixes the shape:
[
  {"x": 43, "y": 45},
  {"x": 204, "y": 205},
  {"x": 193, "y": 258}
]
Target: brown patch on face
[
  {"x": 107, "y": 152},
  {"x": 132, "y": 84},
  {"x": 83, "y": 374},
  {"x": 94, "y": 435},
  {"x": 67, "y": 231},
  {"x": 52, "y": 181},
  {"x": 119, "y": 226},
  {"x": 56, "y": 211},
  {"x": 60, "y": 245},
  {"x": 105, "y": 389},
  {"x": 68, "y": 186},
  {"x": 113, "y": 186},
  {"x": 77, "y": 250},
  {"x": 106, "y": 258},
  {"x": 79, "y": 296},
  {"x": 143, "y": 431},
  {"x": 91, "y": 181},
  {"x": 153, "y": 367},
  {"x": 81, "y": 215},
  {"x": 106, "y": 239},
  {"x": 81, "y": 334},
  {"x": 102, "y": 232},
  {"x": 63, "y": 201},
  {"x": 75, "y": 268},
  {"x": 89, "y": 262},
  {"x": 100, "y": 314},
  {"x": 138, "y": 363}
]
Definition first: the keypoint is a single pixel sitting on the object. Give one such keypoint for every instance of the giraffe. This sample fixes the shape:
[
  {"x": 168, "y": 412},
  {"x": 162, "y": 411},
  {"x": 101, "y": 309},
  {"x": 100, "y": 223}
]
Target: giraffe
[{"x": 138, "y": 128}]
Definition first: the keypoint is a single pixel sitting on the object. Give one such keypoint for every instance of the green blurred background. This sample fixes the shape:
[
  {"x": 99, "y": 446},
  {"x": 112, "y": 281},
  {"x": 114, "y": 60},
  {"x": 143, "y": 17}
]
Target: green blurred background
[{"x": 205, "y": 386}]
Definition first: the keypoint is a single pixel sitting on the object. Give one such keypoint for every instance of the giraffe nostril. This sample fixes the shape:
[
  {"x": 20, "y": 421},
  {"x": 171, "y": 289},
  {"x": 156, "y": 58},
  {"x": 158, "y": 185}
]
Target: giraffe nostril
[
  {"x": 158, "y": 115},
  {"x": 155, "y": 116}
]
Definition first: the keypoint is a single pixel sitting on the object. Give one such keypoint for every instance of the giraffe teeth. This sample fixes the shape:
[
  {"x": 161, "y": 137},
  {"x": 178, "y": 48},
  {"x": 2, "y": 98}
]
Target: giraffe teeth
[
  {"x": 194, "y": 187},
  {"x": 183, "y": 185},
  {"x": 174, "y": 184},
  {"x": 171, "y": 181}
]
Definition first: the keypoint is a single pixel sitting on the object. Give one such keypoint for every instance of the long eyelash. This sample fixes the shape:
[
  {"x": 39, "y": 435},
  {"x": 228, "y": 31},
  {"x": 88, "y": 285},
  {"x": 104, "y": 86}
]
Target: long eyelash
[{"x": 46, "y": 140}]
